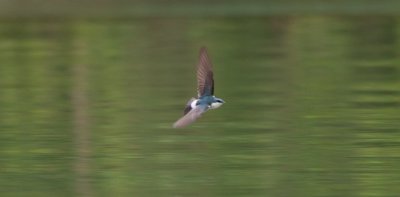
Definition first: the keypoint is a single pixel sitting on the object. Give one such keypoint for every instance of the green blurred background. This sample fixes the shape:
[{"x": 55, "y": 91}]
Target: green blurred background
[{"x": 89, "y": 91}]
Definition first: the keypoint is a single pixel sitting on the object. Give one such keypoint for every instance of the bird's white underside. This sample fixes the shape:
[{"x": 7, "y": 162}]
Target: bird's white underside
[
  {"x": 214, "y": 105},
  {"x": 193, "y": 104}
]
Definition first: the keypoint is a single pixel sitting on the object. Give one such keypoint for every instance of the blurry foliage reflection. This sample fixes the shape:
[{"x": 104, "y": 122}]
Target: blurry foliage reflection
[{"x": 312, "y": 107}]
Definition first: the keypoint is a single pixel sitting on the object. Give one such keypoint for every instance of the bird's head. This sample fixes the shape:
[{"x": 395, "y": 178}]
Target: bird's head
[{"x": 217, "y": 103}]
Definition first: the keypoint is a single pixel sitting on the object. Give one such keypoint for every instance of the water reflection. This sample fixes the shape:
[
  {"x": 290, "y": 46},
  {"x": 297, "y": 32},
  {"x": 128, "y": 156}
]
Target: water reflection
[{"x": 312, "y": 107}]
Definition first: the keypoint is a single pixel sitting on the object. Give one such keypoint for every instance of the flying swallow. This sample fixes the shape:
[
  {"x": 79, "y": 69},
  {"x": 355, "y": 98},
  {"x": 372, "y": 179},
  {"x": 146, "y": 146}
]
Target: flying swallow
[{"x": 205, "y": 100}]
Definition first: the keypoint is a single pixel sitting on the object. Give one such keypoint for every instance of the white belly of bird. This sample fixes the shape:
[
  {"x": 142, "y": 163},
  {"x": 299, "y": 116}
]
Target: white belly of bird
[
  {"x": 212, "y": 106},
  {"x": 193, "y": 104}
]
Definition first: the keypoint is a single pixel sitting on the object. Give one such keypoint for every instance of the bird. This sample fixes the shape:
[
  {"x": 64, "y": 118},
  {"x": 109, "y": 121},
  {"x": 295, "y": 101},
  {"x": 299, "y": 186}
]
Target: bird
[{"x": 205, "y": 100}]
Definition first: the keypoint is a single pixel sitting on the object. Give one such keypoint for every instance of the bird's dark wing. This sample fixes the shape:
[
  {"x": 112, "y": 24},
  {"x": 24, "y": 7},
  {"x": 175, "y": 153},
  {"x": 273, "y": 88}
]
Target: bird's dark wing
[
  {"x": 205, "y": 81},
  {"x": 191, "y": 116}
]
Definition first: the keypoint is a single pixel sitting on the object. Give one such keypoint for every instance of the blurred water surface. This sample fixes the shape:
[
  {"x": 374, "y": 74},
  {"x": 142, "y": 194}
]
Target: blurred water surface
[{"x": 312, "y": 107}]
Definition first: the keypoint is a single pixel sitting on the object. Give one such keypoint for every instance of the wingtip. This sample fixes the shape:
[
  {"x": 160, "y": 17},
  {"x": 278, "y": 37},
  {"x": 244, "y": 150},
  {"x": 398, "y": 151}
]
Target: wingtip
[
  {"x": 203, "y": 49},
  {"x": 177, "y": 126}
]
